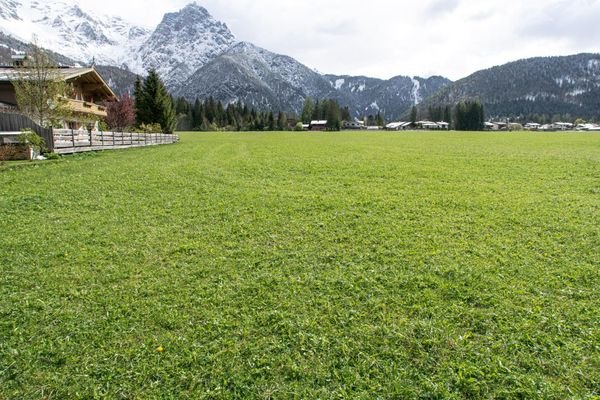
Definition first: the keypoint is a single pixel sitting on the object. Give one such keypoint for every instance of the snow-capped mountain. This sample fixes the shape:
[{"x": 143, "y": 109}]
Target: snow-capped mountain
[
  {"x": 257, "y": 77},
  {"x": 63, "y": 27},
  {"x": 196, "y": 56},
  {"x": 182, "y": 43},
  {"x": 264, "y": 79}
]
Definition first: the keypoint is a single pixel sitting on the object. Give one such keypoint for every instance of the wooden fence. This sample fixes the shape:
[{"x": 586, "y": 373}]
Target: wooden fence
[
  {"x": 67, "y": 141},
  {"x": 14, "y": 122}
]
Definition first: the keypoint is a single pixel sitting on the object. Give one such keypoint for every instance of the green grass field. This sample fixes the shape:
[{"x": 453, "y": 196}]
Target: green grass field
[{"x": 331, "y": 266}]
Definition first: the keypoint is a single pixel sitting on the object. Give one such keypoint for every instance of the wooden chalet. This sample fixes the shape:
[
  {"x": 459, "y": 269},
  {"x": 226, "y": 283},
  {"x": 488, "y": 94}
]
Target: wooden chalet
[{"x": 88, "y": 92}]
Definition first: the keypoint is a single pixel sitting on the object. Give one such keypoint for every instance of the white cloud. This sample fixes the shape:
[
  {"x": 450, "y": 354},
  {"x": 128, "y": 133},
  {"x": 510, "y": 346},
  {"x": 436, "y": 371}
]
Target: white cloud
[{"x": 383, "y": 38}]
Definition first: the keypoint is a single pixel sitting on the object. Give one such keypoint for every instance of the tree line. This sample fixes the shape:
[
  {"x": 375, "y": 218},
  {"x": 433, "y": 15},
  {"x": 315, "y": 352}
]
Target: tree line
[
  {"x": 325, "y": 110},
  {"x": 212, "y": 115},
  {"x": 464, "y": 116},
  {"x": 153, "y": 107}
]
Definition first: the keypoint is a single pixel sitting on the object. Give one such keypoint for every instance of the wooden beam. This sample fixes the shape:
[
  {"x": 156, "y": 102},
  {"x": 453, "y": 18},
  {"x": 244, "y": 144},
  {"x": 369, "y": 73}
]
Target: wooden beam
[{"x": 92, "y": 86}]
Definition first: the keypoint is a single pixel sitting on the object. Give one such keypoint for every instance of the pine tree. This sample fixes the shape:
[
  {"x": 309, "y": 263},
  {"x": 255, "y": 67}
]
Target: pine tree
[
  {"x": 210, "y": 109},
  {"x": 181, "y": 106},
  {"x": 379, "y": 119},
  {"x": 271, "y": 121},
  {"x": 332, "y": 115},
  {"x": 307, "y": 110},
  {"x": 469, "y": 116},
  {"x": 316, "y": 114},
  {"x": 281, "y": 121},
  {"x": 153, "y": 103},
  {"x": 447, "y": 114},
  {"x": 345, "y": 114},
  {"x": 371, "y": 120},
  {"x": 141, "y": 114},
  {"x": 220, "y": 114},
  {"x": 197, "y": 114},
  {"x": 413, "y": 114}
]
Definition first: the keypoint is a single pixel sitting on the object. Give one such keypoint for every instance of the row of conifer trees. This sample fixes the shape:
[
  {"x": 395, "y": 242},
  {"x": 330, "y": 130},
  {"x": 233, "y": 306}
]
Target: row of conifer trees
[{"x": 154, "y": 106}]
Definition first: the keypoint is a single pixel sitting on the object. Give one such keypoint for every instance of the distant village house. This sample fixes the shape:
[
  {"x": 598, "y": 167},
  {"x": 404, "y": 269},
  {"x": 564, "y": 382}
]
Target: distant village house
[
  {"x": 320, "y": 125},
  {"x": 423, "y": 125}
]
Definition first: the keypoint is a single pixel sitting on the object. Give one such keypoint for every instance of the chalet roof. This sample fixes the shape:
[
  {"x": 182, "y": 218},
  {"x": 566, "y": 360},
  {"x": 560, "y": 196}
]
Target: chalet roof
[{"x": 85, "y": 75}]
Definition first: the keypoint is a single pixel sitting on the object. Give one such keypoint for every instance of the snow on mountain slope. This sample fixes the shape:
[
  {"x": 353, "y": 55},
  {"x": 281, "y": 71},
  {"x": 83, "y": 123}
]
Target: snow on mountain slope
[
  {"x": 256, "y": 77},
  {"x": 539, "y": 88},
  {"x": 196, "y": 56},
  {"x": 182, "y": 43},
  {"x": 8, "y": 10},
  {"x": 391, "y": 97},
  {"x": 62, "y": 26},
  {"x": 297, "y": 75}
]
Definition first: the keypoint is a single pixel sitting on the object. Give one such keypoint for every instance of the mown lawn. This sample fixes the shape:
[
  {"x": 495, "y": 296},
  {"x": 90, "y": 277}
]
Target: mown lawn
[{"x": 348, "y": 265}]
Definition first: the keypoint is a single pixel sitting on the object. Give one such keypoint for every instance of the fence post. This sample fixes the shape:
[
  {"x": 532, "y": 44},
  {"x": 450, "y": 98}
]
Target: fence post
[{"x": 73, "y": 138}]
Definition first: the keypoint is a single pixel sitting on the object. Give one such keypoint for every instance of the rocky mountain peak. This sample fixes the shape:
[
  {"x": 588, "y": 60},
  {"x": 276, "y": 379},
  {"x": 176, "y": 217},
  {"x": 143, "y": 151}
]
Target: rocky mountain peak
[
  {"x": 196, "y": 8},
  {"x": 75, "y": 11},
  {"x": 183, "y": 42}
]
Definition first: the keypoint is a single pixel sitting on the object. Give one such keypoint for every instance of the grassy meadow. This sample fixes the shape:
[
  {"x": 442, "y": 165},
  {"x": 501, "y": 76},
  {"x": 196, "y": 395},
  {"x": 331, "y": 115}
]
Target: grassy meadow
[{"x": 309, "y": 266}]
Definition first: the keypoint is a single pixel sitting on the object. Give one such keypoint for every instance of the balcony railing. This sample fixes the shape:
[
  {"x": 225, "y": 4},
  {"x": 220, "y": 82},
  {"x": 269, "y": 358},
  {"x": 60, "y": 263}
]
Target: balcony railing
[{"x": 86, "y": 107}]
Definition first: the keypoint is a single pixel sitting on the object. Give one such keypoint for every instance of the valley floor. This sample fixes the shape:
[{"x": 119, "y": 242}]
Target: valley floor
[{"x": 297, "y": 265}]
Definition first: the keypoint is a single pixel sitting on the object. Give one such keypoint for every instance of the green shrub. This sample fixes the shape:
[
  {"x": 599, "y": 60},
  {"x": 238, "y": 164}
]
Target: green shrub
[
  {"x": 151, "y": 128},
  {"x": 32, "y": 139},
  {"x": 103, "y": 126}
]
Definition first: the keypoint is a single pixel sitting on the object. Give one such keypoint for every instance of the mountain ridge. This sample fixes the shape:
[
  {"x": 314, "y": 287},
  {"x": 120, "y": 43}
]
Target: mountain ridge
[
  {"x": 198, "y": 56},
  {"x": 540, "y": 85}
]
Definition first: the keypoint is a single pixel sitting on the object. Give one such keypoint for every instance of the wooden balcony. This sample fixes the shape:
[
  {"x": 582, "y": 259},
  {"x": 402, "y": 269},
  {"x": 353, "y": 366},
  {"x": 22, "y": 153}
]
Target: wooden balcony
[{"x": 86, "y": 107}]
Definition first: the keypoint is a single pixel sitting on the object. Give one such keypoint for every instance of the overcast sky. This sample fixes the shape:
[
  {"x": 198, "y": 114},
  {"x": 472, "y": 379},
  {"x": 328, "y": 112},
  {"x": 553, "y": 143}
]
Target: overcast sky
[{"x": 385, "y": 38}]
